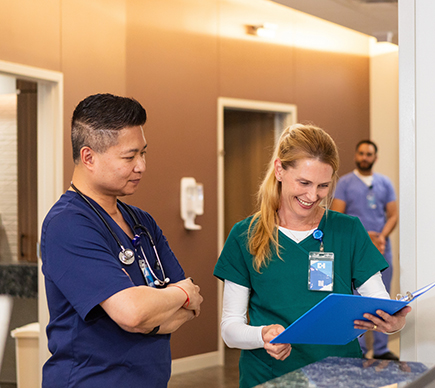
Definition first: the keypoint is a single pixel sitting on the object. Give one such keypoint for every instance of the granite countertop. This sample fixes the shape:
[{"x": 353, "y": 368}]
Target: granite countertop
[
  {"x": 19, "y": 279},
  {"x": 349, "y": 373}
]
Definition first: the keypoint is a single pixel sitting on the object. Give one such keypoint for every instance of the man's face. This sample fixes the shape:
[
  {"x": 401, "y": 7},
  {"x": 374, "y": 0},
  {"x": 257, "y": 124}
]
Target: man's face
[
  {"x": 365, "y": 157},
  {"x": 119, "y": 169}
]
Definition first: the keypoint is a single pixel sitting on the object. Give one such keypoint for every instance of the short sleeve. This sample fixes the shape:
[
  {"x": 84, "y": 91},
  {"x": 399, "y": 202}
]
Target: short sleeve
[
  {"x": 340, "y": 190},
  {"x": 391, "y": 195},
  {"x": 234, "y": 259},
  {"x": 78, "y": 258}
]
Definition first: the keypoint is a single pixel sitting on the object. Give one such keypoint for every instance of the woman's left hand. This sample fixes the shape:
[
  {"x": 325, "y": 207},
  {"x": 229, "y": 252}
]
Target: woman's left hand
[
  {"x": 278, "y": 351},
  {"x": 384, "y": 323}
]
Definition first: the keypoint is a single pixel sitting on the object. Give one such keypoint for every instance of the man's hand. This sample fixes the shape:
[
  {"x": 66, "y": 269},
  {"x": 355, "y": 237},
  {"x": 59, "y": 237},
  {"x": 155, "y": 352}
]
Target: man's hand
[
  {"x": 377, "y": 239},
  {"x": 192, "y": 291}
]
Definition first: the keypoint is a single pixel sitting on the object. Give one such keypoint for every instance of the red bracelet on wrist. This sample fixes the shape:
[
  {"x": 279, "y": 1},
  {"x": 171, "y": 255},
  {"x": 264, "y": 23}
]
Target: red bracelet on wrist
[{"x": 187, "y": 302}]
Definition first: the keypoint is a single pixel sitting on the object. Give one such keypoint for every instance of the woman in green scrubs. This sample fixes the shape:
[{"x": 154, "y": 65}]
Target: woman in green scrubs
[{"x": 266, "y": 257}]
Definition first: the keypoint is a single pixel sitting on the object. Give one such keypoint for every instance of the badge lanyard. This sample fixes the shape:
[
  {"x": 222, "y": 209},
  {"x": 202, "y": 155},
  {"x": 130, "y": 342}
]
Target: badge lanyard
[
  {"x": 321, "y": 267},
  {"x": 371, "y": 199},
  {"x": 127, "y": 256}
]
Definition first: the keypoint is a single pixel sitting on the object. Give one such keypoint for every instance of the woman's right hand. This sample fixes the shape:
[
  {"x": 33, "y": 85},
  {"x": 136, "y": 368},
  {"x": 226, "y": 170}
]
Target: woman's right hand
[{"x": 278, "y": 351}]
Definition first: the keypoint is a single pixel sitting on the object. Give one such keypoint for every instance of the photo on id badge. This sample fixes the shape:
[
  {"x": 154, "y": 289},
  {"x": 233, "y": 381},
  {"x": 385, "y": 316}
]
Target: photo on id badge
[{"x": 321, "y": 271}]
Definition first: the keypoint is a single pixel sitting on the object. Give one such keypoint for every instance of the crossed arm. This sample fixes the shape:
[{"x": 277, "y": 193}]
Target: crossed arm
[{"x": 140, "y": 309}]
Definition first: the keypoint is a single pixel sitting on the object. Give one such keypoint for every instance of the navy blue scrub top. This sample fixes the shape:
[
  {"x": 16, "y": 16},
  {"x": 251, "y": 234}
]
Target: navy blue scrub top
[{"x": 82, "y": 269}]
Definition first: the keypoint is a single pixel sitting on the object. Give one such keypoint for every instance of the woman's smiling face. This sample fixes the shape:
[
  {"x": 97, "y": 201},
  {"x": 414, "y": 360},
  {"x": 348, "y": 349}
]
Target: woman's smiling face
[{"x": 303, "y": 186}]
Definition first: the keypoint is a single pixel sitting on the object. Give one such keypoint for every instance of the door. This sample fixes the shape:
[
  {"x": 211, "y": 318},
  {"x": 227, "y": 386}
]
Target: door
[
  {"x": 27, "y": 170},
  {"x": 249, "y": 138}
]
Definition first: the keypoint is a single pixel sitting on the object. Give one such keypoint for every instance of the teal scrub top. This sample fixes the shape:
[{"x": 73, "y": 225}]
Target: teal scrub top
[{"x": 280, "y": 294}]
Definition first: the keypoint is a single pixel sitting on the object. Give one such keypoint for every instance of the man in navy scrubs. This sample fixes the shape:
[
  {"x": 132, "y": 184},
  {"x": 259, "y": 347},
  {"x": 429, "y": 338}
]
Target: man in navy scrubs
[{"x": 113, "y": 299}]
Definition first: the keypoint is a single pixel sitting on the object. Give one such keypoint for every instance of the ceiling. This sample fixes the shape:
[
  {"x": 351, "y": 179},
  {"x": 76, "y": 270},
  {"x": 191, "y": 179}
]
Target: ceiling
[{"x": 378, "y": 18}]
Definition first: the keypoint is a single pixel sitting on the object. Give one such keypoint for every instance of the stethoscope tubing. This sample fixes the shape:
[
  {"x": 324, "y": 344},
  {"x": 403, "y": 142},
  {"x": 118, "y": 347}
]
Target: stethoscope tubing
[
  {"x": 126, "y": 256},
  {"x": 99, "y": 215}
]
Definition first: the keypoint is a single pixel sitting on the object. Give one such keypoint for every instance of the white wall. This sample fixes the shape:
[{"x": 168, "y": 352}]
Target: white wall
[
  {"x": 417, "y": 177},
  {"x": 384, "y": 125},
  {"x": 8, "y": 178}
]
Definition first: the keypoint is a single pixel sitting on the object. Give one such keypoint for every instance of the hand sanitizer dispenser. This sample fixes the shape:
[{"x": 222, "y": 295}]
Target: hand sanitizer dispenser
[{"x": 192, "y": 202}]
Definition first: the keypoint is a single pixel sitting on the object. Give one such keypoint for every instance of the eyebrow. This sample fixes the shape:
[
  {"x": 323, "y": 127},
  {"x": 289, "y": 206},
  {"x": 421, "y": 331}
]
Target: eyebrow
[{"x": 135, "y": 149}]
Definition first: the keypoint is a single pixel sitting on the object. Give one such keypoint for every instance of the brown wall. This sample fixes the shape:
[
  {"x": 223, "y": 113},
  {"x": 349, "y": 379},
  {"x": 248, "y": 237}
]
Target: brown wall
[
  {"x": 175, "y": 58},
  {"x": 174, "y": 73}
]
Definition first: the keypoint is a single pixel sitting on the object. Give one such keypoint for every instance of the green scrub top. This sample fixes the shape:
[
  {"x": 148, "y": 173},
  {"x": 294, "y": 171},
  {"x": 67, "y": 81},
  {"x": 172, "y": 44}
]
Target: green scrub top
[{"x": 280, "y": 294}]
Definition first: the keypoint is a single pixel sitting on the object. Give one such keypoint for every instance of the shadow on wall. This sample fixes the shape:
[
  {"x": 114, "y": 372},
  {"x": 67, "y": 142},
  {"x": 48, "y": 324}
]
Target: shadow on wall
[{"x": 5, "y": 250}]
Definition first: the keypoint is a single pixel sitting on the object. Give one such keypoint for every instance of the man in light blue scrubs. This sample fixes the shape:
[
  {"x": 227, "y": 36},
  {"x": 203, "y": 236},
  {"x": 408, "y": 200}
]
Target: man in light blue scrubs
[{"x": 370, "y": 197}]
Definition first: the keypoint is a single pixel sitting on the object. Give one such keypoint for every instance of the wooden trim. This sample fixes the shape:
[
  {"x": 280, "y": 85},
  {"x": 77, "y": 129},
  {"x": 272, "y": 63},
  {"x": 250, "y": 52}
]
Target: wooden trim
[{"x": 196, "y": 362}]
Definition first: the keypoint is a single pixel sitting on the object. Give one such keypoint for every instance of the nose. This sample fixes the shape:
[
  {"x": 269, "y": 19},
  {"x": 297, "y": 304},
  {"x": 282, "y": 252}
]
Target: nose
[
  {"x": 140, "y": 164},
  {"x": 312, "y": 194}
]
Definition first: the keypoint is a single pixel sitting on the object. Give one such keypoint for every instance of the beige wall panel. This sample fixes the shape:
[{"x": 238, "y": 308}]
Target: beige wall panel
[
  {"x": 30, "y": 33},
  {"x": 93, "y": 56},
  {"x": 384, "y": 117},
  {"x": 172, "y": 69}
]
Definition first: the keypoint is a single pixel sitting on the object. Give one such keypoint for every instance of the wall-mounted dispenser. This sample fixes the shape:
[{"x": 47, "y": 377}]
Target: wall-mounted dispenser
[{"x": 192, "y": 202}]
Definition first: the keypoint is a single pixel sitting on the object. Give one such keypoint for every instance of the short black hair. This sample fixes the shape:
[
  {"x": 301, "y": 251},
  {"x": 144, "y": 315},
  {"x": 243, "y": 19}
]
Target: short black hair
[
  {"x": 97, "y": 120},
  {"x": 367, "y": 142}
]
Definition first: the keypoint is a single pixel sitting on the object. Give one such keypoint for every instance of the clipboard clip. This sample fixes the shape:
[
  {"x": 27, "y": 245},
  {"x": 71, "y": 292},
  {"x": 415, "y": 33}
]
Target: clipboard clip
[{"x": 406, "y": 298}]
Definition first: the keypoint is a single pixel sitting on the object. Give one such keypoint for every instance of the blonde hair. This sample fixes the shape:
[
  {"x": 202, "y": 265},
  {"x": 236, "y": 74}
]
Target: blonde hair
[{"x": 296, "y": 142}]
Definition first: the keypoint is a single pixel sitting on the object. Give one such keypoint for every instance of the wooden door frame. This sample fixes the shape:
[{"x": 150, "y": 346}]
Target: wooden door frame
[
  {"x": 290, "y": 113},
  {"x": 50, "y": 161}
]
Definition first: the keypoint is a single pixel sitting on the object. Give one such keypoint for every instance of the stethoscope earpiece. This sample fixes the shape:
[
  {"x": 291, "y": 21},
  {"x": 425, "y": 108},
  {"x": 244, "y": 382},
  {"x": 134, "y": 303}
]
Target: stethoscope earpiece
[{"x": 160, "y": 283}]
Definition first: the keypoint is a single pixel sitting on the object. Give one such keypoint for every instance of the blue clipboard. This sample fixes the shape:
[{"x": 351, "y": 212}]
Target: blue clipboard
[{"x": 331, "y": 321}]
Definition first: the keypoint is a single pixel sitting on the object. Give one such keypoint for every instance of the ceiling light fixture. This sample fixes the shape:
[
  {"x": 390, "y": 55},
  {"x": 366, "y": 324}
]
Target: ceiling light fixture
[
  {"x": 266, "y": 30},
  {"x": 385, "y": 36}
]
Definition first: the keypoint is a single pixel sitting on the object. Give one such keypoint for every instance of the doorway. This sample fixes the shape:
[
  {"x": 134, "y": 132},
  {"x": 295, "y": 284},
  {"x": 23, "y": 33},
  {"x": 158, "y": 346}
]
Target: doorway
[
  {"x": 247, "y": 133},
  {"x": 249, "y": 138},
  {"x": 27, "y": 171},
  {"x": 49, "y": 146}
]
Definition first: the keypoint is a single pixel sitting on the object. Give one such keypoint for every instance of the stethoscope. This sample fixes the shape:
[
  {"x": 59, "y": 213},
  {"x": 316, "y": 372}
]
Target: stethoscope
[{"x": 127, "y": 256}]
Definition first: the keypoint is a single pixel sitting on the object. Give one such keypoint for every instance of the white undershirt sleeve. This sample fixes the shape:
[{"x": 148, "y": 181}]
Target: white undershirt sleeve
[
  {"x": 235, "y": 330},
  {"x": 236, "y": 333},
  {"x": 374, "y": 287}
]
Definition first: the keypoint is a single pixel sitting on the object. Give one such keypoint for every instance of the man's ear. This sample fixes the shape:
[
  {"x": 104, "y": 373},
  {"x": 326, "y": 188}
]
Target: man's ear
[{"x": 87, "y": 156}]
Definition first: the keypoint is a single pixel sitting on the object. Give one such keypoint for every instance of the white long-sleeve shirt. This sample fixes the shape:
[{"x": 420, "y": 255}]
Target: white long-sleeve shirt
[{"x": 236, "y": 332}]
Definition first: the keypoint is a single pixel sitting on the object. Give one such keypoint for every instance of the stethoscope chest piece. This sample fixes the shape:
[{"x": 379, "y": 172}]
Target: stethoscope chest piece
[{"x": 126, "y": 256}]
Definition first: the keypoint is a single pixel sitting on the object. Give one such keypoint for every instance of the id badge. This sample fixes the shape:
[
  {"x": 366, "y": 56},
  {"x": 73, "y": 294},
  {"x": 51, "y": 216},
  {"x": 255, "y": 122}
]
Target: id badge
[{"x": 321, "y": 271}]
